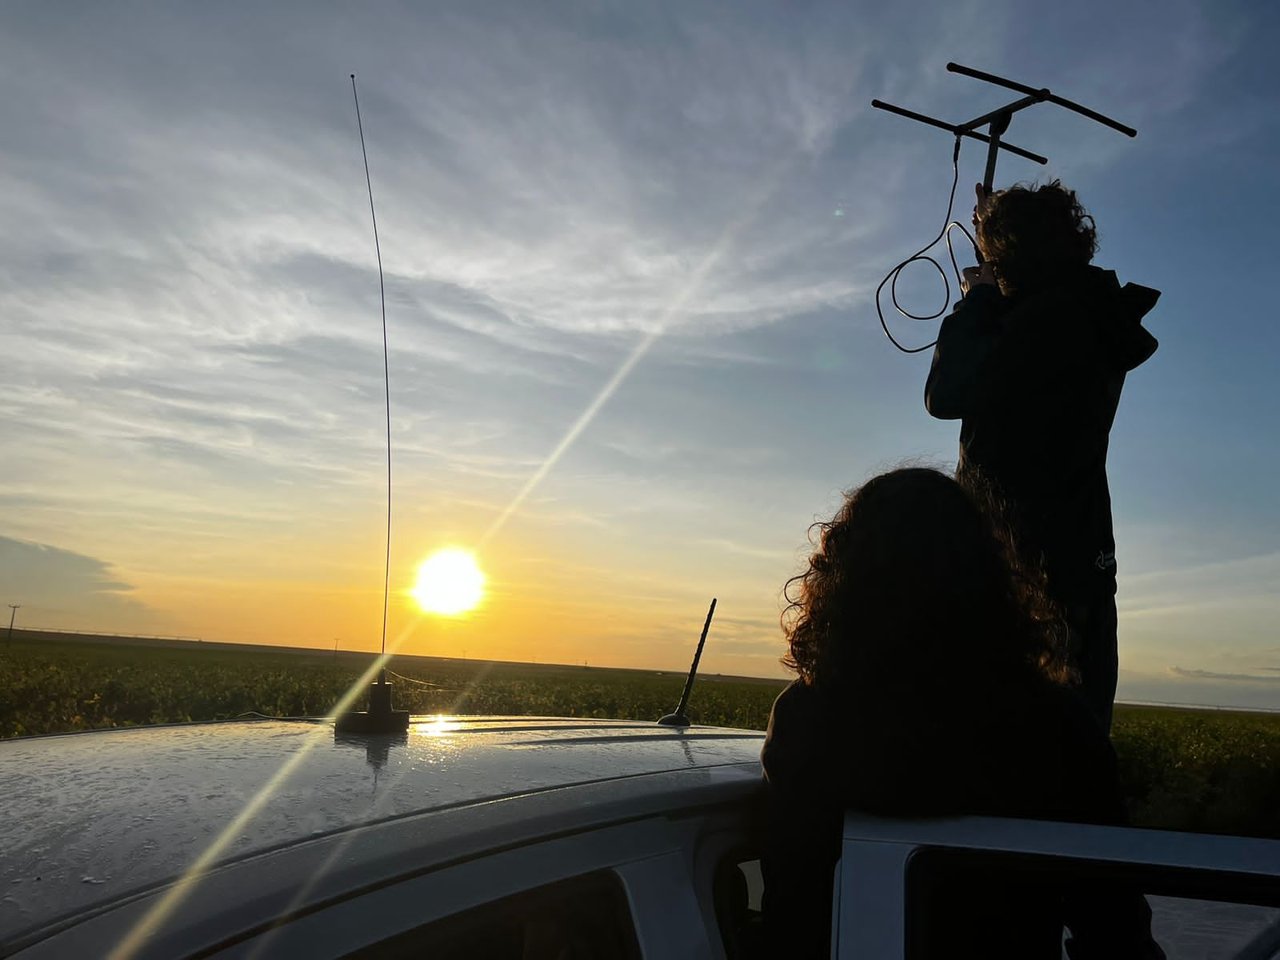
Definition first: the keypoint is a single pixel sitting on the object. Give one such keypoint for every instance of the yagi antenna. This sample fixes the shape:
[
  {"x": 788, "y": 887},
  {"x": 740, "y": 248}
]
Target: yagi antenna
[
  {"x": 997, "y": 121},
  {"x": 380, "y": 718},
  {"x": 997, "y": 124},
  {"x": 678, "y": 719}
]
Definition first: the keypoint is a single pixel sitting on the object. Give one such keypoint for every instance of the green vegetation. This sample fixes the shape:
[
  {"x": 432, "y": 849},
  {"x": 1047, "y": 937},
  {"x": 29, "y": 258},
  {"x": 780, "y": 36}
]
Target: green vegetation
[
  {"x": 1181, "y": 769},
  {"x": 50, "y": 685},
  {"x": 1201, "y": 770}
]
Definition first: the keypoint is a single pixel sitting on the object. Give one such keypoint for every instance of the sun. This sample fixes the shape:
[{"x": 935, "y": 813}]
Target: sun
[{"x": 449, "y": 582}]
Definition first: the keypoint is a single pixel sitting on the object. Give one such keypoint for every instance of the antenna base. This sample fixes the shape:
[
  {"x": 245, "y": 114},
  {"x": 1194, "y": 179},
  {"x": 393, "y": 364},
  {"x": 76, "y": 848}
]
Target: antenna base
[
  {"x": 380, "y": 718},
  {"x": 674, "y": 720}
]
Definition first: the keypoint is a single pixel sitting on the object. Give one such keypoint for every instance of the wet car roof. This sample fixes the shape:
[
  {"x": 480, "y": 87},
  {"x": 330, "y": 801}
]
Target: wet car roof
[{"x": 91, "y": 817}]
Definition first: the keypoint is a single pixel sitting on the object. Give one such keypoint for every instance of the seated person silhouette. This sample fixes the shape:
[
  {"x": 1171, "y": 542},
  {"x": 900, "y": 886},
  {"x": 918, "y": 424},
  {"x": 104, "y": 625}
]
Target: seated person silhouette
[{"x": 932, "y": 681}]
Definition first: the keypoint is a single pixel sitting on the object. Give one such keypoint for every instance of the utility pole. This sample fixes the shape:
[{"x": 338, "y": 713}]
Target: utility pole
[{"x": 13, "y": 612}]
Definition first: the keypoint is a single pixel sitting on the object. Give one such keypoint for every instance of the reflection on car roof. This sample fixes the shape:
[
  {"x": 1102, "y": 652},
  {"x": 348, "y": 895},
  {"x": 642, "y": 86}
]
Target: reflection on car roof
[{"x": 91, "y": 817}]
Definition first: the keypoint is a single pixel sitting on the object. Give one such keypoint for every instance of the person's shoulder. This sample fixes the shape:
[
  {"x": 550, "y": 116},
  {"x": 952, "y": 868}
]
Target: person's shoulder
[
  {"x": 797, "y": 706},
  {"x": 795, "y": 726},
  {"x": 797, "y": 696}
]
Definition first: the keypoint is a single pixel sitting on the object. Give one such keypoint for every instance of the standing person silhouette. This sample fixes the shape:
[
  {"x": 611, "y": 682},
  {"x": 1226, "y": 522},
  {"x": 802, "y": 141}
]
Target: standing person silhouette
[{"x": 1032, "y": 361}]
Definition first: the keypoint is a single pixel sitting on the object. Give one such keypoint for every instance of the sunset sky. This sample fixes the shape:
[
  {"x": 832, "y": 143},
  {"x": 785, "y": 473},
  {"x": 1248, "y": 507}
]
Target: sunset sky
[{"x": 630, "y": 253}]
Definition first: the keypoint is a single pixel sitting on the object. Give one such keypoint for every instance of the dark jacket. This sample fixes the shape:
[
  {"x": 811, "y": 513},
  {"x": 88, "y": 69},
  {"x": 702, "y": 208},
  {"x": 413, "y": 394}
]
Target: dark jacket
[
  {"x": 1035, "y": 380},
  {"x": 1033, "y": 751}
]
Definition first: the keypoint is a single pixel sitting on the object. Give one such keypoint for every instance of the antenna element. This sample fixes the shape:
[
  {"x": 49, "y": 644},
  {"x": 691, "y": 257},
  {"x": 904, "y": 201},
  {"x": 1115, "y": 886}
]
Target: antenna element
[{"x": 997, "y": 121}]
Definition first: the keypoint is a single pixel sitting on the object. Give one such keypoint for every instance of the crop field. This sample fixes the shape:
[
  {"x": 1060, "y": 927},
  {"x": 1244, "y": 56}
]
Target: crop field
[
  {"x": 1183, "y": 769},
  {"x": 52, "y": 685}
]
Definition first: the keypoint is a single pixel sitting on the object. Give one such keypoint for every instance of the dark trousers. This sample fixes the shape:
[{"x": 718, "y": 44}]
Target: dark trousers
[{"x": 1092, "y": 624}]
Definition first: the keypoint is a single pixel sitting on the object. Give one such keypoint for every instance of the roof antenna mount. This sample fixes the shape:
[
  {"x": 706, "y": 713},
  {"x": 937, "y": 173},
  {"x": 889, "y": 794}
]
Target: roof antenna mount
[{"x": 678, "y": 719}]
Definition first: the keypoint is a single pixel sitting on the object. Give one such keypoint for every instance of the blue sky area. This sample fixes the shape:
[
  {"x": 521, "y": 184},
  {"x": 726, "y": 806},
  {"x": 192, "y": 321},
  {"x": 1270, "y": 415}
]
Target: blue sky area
[{"x": 673, "y": 215}]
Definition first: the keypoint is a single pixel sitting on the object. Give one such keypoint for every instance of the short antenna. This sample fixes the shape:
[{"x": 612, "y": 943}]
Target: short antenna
[{"x": 678, "y": 719}]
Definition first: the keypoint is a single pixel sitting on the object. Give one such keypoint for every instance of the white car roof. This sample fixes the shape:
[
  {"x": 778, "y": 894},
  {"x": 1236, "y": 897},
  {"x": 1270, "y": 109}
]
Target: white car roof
[{"x": 94, "y": 817}]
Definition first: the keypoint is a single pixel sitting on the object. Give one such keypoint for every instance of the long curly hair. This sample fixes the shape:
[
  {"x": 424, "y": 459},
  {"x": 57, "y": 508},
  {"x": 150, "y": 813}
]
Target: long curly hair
[
  {"x": 1032, "y": 233},
  {"x": 918, "y": 576}
]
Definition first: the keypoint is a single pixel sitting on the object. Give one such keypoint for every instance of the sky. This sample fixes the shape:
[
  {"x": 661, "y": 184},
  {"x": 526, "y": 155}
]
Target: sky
[{"x": 630, "y": 255}]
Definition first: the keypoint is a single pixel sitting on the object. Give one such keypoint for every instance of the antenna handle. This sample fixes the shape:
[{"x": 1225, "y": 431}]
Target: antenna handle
[{"x": 999, "y": 124}]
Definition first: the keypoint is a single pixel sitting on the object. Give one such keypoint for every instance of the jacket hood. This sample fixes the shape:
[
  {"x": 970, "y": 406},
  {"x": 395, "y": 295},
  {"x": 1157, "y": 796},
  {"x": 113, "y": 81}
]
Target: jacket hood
[{"x": 1127, "y": 343}]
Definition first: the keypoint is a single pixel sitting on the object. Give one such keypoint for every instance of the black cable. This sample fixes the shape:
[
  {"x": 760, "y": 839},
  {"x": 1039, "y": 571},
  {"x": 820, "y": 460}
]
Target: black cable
[
  {"x": 255, "y": 715},
  {"x": 421, "y": 683},
  {"x": 891, "y": 277}
]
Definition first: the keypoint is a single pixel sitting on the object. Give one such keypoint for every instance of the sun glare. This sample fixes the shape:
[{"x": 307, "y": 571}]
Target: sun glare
[{"x": 450, "y": 582}]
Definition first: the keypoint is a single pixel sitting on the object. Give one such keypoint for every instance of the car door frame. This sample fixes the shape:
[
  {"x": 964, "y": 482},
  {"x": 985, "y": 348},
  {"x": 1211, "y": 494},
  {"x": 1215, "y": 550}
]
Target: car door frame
[{"x": 871, "y": 909}]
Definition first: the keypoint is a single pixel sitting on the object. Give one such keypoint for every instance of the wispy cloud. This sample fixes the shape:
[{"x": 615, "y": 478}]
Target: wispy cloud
[
  {"x": 190, "y": 304},
  {"x": 1233, "y": 677},
  {"x": 1227, "y": 582}
]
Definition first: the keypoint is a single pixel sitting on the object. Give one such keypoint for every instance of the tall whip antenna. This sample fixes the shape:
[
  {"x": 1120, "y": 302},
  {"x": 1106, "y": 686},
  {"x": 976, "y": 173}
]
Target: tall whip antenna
[
  {"x": 386, "y": 364},
  {"x": 380, "y": 718}
]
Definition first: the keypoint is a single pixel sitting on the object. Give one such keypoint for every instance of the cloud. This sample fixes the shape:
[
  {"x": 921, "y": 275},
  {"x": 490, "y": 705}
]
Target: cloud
[
  {"x": 1229, "y": 580},
  {"x": 61, "y": 588},
  {"x": 1233, "y": 677},
  {"x": 531, "y": 230},
  {"x": 772, "y": 555},
  {"x": 192, "y": 299}
]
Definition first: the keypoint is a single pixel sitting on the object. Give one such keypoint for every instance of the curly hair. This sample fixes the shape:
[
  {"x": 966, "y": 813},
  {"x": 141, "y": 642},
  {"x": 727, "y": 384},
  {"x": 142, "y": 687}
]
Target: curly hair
[
  {"x": 1032, "y": 233},
  {"x": 918, "y": 574}
]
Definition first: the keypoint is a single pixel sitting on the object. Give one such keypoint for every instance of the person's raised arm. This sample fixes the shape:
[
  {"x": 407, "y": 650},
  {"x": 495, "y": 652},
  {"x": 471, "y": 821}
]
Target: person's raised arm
[{"x": 967, "y": 336}]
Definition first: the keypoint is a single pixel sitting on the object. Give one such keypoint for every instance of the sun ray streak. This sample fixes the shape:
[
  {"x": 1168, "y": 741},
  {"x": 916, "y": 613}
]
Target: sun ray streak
[
  {"x": 476, "y": 679},
  {"x": 381, "y": 803},
  {"x": 750, "y": 210},
  {"x": 151, "y": 921},
  {"x": 299, "y": 898}
]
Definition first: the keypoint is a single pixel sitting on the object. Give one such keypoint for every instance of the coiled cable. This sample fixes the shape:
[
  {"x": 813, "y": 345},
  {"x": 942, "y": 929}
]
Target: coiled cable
[{"x": 891, "y": 278}]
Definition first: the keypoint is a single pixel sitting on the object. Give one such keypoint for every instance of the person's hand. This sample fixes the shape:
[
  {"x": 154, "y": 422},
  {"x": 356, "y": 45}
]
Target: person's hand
[{"x": 971, "y": 277}]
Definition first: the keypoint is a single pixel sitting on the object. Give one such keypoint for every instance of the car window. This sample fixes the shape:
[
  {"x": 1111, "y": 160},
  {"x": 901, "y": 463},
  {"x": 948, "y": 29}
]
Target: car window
[
  {"x": 583, "y": 918},
  {"x": 1207, "y": 928},
  {"x": 958, "y": 900},
  {"x": 739, "y": 888}
]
